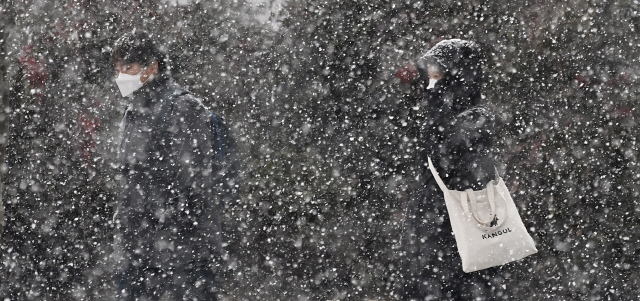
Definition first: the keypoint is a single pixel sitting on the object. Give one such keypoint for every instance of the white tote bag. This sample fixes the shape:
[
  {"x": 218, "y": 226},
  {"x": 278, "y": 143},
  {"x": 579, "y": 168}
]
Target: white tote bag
[{"x": 486, "y": 225}]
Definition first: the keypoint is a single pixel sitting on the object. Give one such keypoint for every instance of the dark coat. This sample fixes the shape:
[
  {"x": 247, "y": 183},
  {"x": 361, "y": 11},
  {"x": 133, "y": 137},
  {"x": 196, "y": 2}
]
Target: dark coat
[
  {"x": 457, "y": 133},
  {"x": 167, "y": 219}
]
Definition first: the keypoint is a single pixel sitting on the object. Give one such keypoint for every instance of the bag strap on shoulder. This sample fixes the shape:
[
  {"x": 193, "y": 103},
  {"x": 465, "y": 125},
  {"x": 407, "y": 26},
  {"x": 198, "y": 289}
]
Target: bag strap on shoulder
[
  {"x": 445, "y": 190},
  {"x": 435, "y": 174}
]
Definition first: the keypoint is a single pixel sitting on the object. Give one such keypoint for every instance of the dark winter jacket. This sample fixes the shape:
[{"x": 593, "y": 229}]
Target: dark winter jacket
[
  {"x": 457, "y": 134},
  {"x": 167, "y": 215},
  {"x": 458, "y": 131}
]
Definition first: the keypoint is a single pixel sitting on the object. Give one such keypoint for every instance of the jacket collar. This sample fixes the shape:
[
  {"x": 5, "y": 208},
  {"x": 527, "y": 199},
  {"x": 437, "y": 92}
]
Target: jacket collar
[{"x": 151, "y": 93}]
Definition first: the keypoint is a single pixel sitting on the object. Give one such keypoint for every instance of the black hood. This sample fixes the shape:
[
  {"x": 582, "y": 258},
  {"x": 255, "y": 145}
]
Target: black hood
[{"x": 461, "y": 63}]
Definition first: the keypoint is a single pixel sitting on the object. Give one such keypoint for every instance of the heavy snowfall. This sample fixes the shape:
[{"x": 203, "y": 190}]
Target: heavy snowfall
[{"x": 323, "y": 100}]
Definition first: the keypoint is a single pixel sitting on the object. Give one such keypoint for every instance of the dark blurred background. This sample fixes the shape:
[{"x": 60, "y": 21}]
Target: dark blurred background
[{"x": 321, "y": 96}]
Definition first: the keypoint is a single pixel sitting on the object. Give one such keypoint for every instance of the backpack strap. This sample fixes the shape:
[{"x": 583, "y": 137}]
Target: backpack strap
[
  {"x": 167, "y": 102},
  {"x": 166, "y": 107}
]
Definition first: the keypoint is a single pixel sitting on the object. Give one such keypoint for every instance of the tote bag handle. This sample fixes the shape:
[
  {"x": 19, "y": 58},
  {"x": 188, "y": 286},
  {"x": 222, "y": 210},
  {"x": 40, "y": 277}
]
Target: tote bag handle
[
  {"x": 494, "y": 221},
  {"x": 474, "y": 204},
  {"x": 473, "y": 201}
]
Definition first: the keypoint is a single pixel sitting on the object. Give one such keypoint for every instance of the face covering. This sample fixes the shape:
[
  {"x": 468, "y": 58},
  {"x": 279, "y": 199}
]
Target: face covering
[
  {"x": 432, "y": 83},
  {"x": 128, "y": 83}
]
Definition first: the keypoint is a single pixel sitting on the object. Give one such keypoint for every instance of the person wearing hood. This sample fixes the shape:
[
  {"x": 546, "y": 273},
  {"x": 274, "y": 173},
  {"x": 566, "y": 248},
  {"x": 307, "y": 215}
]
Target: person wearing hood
[
  {"x": 457, "y": 134},
  {"x": 168, "y": 244}
]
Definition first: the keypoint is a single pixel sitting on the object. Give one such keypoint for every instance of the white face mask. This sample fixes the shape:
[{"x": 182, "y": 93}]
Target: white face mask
[
  {"x": 432, "y": 83},
  {"x": 128, "y": 83}
]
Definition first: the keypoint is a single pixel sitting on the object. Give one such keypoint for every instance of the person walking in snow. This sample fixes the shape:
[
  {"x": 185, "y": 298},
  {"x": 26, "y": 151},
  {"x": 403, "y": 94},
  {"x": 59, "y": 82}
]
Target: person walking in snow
[
  {"x": 167, "y": 218},
  {"x": 457, "y": 134}
]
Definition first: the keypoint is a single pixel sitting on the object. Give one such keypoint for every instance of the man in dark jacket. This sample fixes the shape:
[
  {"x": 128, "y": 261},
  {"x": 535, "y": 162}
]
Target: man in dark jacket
[
  {"x": 457, "y": 134},
  {"x": 167, "y": 220}
]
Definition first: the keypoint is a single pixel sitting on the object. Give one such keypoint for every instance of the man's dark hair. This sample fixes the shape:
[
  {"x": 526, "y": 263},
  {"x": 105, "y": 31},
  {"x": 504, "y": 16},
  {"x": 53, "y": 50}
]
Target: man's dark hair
[{"x": 139, "y": 47}]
